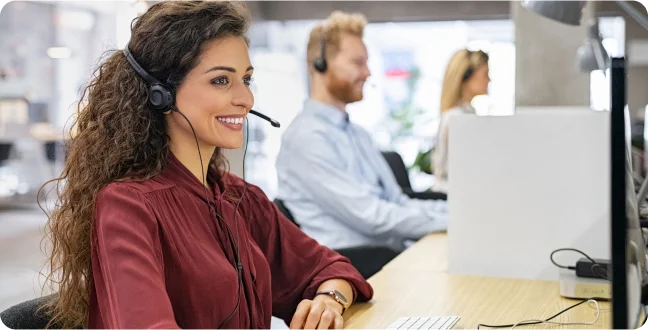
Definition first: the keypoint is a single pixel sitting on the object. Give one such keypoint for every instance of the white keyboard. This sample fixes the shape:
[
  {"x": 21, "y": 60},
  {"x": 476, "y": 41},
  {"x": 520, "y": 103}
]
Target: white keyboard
[{"x": 427, "y": 322}]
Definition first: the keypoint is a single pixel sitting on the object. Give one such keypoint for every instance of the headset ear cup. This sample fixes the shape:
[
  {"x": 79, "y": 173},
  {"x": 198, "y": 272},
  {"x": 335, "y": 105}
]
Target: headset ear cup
[
  {"x": 320, "y": 65},
  {"x": 467, "y": 74},
  {"x": 160, "y": 98}
]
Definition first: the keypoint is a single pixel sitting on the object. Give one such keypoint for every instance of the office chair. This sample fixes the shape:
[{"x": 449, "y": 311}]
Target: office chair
[
  {"x": 284, "y": 210},
  {"x": 368, "y": 260},
  {"x": 26, "y": 315},
  {"x": 5, "y": 151},
  {"x": 397, "y": 166},
  {"x": 55, "y": 150}
]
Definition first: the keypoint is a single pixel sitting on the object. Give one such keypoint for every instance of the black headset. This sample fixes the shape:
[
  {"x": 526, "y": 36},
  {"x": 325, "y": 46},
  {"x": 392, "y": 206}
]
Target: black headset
[
  {"x": 320, "y": 62},
  {"x": 470, "y": 70},
  {"x": 160, "y": 98}
]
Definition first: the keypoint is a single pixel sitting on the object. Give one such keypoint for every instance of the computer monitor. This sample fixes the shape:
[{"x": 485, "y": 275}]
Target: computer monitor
[{"x": 628, "y": 246}]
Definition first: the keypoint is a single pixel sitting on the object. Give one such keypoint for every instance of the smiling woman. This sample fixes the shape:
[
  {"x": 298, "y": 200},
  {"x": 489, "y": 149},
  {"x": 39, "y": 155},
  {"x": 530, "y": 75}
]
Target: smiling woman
[
  {"x": 151, "y": 234},
  {"x": 213, "y": 95}
]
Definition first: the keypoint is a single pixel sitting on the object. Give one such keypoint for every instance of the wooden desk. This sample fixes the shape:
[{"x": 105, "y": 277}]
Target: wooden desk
[
  {"x": 416, "y": 284},
  {"x": 430, "y": 253}
]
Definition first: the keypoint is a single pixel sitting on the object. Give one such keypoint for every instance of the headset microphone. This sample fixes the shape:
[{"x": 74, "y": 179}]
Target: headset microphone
[{"x": 272, "y": 122}]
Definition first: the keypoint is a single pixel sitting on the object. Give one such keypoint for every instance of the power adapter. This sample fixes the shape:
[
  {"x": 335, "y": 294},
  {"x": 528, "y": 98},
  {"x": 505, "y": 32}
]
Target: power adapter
[{"x": 586, "y": 268}]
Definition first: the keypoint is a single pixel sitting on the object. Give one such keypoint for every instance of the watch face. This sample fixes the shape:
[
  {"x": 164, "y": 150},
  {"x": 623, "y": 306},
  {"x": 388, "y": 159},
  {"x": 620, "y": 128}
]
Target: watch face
[{"x": 341, "y": 296}]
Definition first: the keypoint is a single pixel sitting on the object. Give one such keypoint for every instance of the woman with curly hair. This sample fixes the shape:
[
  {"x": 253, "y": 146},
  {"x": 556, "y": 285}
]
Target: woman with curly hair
[{"x": 150, "y": 229}]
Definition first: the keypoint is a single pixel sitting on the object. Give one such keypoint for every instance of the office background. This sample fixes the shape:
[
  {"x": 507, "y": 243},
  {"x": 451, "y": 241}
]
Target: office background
[{"x": 44, "y": 66}]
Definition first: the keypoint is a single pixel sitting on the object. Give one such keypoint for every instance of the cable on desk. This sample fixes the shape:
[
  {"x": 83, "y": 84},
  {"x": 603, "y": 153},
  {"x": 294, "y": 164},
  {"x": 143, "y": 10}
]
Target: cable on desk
[
  {"x": 595, "y": 266},
  {"x": 589, "y": 303},
  {"x": 598, "y": 314},
  {"x": 551, "y": 256},
  {"x": 548, "y": 320}
]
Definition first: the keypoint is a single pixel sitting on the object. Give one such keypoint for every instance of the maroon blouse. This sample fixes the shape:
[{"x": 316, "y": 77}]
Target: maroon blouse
[{"x": 161, "y": 259}]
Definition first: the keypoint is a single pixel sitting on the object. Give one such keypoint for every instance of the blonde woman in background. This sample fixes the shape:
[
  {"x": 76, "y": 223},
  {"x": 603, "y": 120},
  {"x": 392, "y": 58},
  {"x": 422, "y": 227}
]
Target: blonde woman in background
[{"x": 466, "y": 77}]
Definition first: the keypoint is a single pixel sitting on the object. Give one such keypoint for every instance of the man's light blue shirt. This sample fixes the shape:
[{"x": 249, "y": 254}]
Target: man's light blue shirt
[{"x": 341, "y": 190}]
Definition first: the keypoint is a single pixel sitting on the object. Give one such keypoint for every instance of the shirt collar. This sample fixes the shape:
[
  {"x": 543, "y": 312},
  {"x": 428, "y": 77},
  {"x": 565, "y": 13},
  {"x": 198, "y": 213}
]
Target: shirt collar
[
  {"x": 328, "y": 112},
  {"x": 179, "y": 174},
  {"x": 467, "y": 106}
]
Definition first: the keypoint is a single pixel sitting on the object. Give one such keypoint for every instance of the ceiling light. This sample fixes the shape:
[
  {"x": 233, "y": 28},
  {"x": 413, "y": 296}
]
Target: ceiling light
[{"x": 59, "y": 52}]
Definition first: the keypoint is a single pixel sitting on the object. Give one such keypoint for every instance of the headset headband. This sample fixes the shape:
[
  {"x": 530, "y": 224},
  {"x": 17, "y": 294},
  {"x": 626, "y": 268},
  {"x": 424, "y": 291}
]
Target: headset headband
[
  {"x": 320, "y": 62},
  {"x": 140, "y": 71},
  {"x": 323, "y": 45}
]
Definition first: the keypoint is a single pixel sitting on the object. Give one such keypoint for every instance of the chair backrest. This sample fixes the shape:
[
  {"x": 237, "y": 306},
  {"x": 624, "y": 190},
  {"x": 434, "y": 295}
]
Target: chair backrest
[
  {"x": 5, "y": 151},
  {"x": 27, "y": 316},
  {"x": 282, "y": 207},
  {"x": 55, "y": 150},
  {"x": 397, "y": 166},
  {"x": 368, "y": 260}
]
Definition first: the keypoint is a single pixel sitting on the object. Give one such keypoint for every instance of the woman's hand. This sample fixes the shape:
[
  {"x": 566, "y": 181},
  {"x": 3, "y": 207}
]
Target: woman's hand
[{"x": 323, "y": 312}]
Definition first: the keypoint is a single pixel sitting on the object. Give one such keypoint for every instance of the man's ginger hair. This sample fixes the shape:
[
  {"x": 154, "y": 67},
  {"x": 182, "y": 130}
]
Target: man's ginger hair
[{"x": 332, "y": 29}]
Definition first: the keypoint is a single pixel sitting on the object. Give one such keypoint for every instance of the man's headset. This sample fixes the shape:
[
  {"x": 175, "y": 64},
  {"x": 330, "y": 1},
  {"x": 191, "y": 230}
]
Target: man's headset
[
  {"x": 162, "y": 99},
  {"x": 320, "y": 62}
]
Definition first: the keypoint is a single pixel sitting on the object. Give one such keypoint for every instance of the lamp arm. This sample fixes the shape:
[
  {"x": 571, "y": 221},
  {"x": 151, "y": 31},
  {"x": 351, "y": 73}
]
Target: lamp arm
[
  {"x": 634, "y": 13},
  {"x": 643, "y": 192},
  {"x": 600, "y": 61}
]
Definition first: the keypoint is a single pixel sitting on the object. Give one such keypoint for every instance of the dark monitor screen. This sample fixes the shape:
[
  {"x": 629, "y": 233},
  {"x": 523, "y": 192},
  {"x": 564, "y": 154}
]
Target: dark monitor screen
[{"x": 628, "y": 246}]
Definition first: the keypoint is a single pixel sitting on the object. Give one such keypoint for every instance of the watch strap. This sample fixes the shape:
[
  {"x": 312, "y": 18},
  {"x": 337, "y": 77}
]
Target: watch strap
[{"x": 337, "y": 296}]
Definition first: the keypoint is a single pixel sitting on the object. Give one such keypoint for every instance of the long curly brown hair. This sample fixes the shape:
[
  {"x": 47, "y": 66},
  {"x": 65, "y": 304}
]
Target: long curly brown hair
[{"x": 115, "y": 136}]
